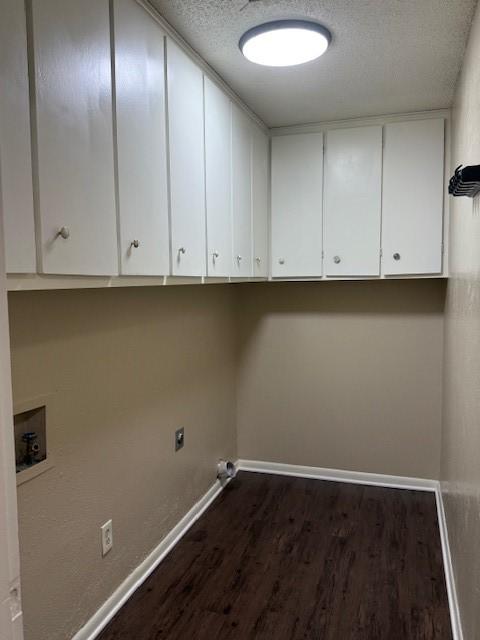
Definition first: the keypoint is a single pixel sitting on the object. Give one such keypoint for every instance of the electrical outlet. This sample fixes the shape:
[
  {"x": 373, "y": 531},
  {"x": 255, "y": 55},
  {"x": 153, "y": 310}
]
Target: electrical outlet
[
  {"x": 107, "y": 537},
  {"x": 179, "y": 438}
]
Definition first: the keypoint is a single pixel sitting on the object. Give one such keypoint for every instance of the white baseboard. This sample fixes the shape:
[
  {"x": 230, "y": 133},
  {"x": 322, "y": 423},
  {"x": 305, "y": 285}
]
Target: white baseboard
[
  {"x": 337, "y": 475},
  {"x": 448, "y": 566},
  {"x": 118, "y": 598},
  {"x": 106, "y": 612}
]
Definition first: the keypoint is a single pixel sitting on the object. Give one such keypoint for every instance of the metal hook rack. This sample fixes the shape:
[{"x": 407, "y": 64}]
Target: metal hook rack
[{"x": 465, "y": 181}]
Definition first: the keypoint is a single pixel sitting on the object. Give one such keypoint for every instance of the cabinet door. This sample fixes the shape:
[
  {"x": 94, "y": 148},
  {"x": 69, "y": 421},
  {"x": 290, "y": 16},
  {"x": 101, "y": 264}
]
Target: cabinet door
[
  {"x": 15, "y": 150},
  {"x": 353, "y": 197},
  {"x": 218, "y": 168},
  {"x": 297, "y": 174},
  {"x": 141, "y": 141},
  {"x": 73, "y": 106},
  {"x": 187, "y": 163},
  {"x": 413, "y": 181},
  {"x": 242, "y": 193},
  {"x": 260, "y": 179}
]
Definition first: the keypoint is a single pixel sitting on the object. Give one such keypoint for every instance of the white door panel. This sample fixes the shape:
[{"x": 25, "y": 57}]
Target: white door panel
[
  {"x": 187, "y": 163},
  {"x": 413, "y": 188},
  {"x": 353, "y": 188},
  {"x": 260, "y": 180},
  {"x": 15, "y": 148},
  {"x": 73, "y": 100},
  {"x": 297, "y": 193},
  {"x": 241, "y": 193},
  {"x": 218, "y": 168},
  {"x": 141, "y": 141}
]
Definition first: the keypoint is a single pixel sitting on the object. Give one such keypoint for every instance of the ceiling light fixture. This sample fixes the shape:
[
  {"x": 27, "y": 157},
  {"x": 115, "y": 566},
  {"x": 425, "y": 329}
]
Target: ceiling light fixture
[{"x": 284, "y": 43}]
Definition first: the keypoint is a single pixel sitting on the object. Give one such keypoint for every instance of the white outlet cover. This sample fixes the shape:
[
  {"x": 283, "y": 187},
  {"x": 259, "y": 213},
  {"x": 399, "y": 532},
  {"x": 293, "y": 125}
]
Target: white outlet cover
[{"x": 107, "y": 537}]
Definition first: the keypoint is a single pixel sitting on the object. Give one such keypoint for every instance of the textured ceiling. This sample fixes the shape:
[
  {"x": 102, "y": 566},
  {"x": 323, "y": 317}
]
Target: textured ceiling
[{"x": 387, "y": 56}]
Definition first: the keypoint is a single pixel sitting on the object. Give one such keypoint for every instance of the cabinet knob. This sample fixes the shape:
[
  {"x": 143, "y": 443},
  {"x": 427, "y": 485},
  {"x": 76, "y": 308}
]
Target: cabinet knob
[
  {"x": 337, "y": 259},
  {"x": 64, "y": 232},
  {"x": 239, "y": 258},
  {"x": 182, "y": 250},
  {"x": 258, "y": 260},
  {"x": 135, "y": 244},
  {"x": 281, "y": 261},
  {"x": 396, "y": 256},
  {"x": 215, "y": 255}
]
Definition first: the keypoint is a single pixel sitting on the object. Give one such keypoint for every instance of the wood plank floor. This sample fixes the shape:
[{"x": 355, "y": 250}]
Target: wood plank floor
[{"x": 289, "y": 558}]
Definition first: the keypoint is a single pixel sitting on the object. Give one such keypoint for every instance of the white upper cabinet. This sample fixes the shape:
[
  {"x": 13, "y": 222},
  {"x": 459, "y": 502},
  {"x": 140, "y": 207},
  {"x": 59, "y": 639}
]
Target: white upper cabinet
[
  {"x": 413, "y": 187},
  {"x": 218, "y": 168},
  {"x": 297, "y": 176},
  {"x": 187, "y": 165},
  {"x": 139, "y": 47},
  {"x": 119, "y": 155},
  {"x": 353, "y": 199},
  {"x": 15, "y": 150},
  {"x": 74, "y": 132},
  {"x": 260, "y": 186},
  {"x": 241, "y": 193}
]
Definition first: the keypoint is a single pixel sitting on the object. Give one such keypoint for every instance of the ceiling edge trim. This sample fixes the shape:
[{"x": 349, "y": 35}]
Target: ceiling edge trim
[{"x": 315, "y": 127}]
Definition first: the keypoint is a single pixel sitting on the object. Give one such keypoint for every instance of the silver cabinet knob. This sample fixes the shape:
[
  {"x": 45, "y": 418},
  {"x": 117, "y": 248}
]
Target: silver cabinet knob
[
  {"x": 135, "y": 244},
  {"x": 258, "y": 260},
  {"x": 182, "y": 250},
  {"x": 281, "y": 261},
  {"x": 215, "y": 255},
  {"x": 64, "y": 232},
  {"x": 239, "y": 258},
  {"x": 337, "y": 259},
  {"x": 396, "y": 256}
]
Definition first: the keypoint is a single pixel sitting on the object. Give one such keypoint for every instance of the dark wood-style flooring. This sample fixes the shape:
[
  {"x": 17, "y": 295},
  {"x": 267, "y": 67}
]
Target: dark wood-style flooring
[{"x": 282, "y": 558}]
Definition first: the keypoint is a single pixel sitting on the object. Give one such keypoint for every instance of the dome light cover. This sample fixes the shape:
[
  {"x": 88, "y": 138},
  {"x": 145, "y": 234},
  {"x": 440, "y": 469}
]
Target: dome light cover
[{"x": 285, "y": 43}]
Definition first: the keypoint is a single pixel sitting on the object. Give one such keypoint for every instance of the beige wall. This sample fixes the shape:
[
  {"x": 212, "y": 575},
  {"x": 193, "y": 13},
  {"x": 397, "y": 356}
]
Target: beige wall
[
  {"x": 124, "y": 368},
  {"x": 460, "y": 470},
  {"x": 345, "y": 375}
]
